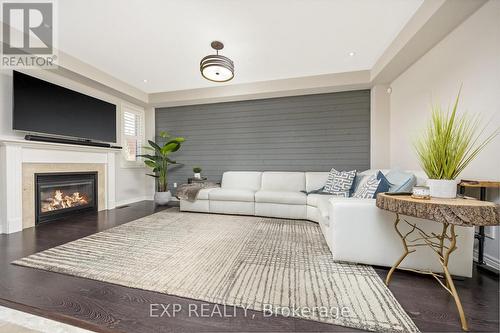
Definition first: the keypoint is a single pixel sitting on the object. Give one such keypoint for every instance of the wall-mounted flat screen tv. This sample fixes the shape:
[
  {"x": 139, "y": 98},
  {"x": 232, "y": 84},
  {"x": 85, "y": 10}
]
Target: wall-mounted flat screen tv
[{"x": 43, "y": 107}]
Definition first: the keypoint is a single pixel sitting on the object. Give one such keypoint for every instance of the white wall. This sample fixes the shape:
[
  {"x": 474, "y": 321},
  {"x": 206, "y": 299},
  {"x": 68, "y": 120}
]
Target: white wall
[
  {"x": 379, "y": 127},
  {"x": 131, "y": 183},
  {"x": 470, "y": 55},
  {"x": 6, "y": 103}
]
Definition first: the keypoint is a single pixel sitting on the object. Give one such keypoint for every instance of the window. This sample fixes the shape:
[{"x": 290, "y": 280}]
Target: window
[{"x": 133, "y": 135}]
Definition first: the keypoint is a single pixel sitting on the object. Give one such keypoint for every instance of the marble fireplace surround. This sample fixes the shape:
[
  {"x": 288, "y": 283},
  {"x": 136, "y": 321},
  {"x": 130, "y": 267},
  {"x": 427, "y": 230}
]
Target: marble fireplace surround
[{"x": 20, "y": 159}]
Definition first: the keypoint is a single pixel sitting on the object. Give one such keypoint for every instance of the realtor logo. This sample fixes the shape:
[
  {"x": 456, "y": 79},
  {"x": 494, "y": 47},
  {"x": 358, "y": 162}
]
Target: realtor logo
[{"x": 28, "y": 35}]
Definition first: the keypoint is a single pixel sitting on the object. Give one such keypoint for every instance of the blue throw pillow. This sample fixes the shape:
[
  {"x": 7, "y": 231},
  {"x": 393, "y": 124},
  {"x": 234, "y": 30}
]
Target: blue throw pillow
[
  {"x": 384, "y": 184},
  {"x": 401, "y": 181}
]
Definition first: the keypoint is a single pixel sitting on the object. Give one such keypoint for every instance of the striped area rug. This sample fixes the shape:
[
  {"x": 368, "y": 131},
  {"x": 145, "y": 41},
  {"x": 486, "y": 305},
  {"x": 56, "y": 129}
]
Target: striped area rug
[{"x": 265, "y": 264}]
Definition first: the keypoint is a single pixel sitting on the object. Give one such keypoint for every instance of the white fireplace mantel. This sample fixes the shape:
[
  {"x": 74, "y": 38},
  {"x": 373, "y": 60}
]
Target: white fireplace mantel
[{"x": 14, "y": 152}]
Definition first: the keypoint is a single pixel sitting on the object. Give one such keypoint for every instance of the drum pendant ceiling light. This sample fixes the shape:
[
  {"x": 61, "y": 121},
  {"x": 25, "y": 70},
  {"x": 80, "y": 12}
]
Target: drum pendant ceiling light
[{"x": 216, "y": 67}]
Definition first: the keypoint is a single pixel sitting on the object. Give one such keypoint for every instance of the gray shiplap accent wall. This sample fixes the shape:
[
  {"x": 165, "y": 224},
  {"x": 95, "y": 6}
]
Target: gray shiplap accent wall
[{"x": 299, "y": 133}]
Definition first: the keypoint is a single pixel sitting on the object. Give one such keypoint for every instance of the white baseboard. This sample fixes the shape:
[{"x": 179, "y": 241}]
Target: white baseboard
[
  {"x": 130, "y": 201},
  {"x": 489, "y": 260},
  {"x": 147, "y": 197}
]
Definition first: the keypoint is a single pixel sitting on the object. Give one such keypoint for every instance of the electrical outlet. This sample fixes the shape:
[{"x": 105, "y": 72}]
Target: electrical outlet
[{"x": 175, "y": 185}]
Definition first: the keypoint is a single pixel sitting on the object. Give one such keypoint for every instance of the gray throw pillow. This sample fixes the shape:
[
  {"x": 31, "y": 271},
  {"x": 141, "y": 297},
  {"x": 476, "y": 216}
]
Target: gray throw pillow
[
  {"x": 368, "y": 189},
  {"x": 339, "y": 183},
  {"x": 359, "y": 180}
]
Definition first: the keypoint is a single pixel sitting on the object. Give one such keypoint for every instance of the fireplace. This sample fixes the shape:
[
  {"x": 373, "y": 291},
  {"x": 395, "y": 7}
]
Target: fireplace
[{"x": 60, "y": 195}]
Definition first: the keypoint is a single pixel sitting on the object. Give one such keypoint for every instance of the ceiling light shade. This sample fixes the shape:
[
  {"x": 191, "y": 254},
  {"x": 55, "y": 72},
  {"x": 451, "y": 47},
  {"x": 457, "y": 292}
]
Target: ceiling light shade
[{"x": 216, "y": 67}]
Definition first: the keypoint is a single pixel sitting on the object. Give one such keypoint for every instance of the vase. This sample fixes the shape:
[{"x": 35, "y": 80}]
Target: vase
[
  {"x": 162, "y": 198},
  {"x": 442, "y": 188},
  {"x": 197, "y": 175}
]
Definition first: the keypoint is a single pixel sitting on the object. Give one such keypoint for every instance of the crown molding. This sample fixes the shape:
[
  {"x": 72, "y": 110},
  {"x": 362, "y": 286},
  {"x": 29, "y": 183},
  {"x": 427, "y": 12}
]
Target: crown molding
[
  {"x": 266, "y": 89},
  {"x": 77, "y": 70}
]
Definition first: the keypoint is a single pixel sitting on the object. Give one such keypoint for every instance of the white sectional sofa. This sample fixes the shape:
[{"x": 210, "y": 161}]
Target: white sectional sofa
[{"x": 354, "y": 229}]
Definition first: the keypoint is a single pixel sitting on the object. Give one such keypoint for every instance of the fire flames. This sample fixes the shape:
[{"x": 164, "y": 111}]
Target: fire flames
[{"x": 60, "y": 201}]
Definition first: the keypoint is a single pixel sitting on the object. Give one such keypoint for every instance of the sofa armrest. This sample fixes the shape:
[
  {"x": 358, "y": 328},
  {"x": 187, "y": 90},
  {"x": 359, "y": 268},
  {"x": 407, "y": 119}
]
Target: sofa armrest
[
  {"x": 352, "y": 224},
  {"x": 361, "y": 232},
  {"x": 341, "y": 209}
]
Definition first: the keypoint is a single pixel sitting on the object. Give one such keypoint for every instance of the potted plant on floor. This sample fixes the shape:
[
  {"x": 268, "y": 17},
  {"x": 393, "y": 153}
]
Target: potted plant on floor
[
  {"x": 448, "y": 146},
  {"x": 197, "y": 172},
  {"x": 159, "y": 163}
]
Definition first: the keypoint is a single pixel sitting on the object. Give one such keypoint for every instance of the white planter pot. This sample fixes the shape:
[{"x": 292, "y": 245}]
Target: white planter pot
[
  {"x": 162, "y": 198},
  {"x": 197, "y": 175},
  {"x": 442, "y": 188}
]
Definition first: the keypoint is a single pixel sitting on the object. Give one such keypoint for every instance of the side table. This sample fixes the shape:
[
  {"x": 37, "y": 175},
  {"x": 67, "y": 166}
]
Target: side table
[
  {"x": 449, "y": 212},
  {"x": 193, "y": 180},
  {"x": 480, "y": 236}
]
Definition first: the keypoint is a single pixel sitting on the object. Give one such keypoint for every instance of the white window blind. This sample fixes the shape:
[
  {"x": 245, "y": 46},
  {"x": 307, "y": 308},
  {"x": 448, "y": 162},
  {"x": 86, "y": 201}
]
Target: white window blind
[{"x": 132, "y": 132}]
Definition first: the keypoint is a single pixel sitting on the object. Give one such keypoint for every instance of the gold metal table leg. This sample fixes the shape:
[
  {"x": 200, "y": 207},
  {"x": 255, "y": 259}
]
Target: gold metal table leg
[
  {"x": 403, "y": 256},
  {"x": 437, "y": 242},
  {"x": 449, "y": 280}
]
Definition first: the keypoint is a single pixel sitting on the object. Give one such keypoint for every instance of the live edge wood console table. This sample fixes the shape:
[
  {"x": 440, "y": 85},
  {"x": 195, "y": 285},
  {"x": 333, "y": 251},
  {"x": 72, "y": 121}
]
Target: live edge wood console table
[{"x": 449, "y": 212}]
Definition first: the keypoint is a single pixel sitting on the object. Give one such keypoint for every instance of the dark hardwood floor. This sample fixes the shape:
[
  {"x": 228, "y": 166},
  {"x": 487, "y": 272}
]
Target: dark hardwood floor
[{"x": 105, "y": 307}]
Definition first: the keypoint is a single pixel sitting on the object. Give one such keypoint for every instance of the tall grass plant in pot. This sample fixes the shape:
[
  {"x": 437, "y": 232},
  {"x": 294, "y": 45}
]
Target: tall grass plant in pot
[
  {"x": 159, "y": 162},
  {"x": 449, "y": 144}
]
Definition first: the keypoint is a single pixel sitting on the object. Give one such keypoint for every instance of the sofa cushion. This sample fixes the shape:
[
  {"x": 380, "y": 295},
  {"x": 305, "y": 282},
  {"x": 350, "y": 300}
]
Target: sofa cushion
[
  {"x": 340, "y": 182},
  {"x": 284, "y": 211},
  {"x": 203, "y": 193},
  {"x": 283, "y": 181},
  {"x": 247, "y": 180},
  {"x": 228, "y": 194},
  {"x": 232, "y": 207},
  {"x": 316, "y": 180},
  {"x": 314, "y": 199},
  {"x": 321, "y": 202},
  {"x": 281, "y": 197}
]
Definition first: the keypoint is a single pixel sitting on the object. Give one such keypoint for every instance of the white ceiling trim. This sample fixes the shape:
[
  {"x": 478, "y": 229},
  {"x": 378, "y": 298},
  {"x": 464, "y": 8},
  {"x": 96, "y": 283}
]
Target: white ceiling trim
[{"x": 267, "y": 89}]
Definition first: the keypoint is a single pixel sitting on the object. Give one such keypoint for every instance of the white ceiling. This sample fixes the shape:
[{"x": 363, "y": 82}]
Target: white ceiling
[{"x": 163, "y": 41}]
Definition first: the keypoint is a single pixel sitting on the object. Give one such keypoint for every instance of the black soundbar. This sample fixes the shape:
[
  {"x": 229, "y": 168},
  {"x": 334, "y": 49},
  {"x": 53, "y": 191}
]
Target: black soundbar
[{"x": 30, "y": 137}]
